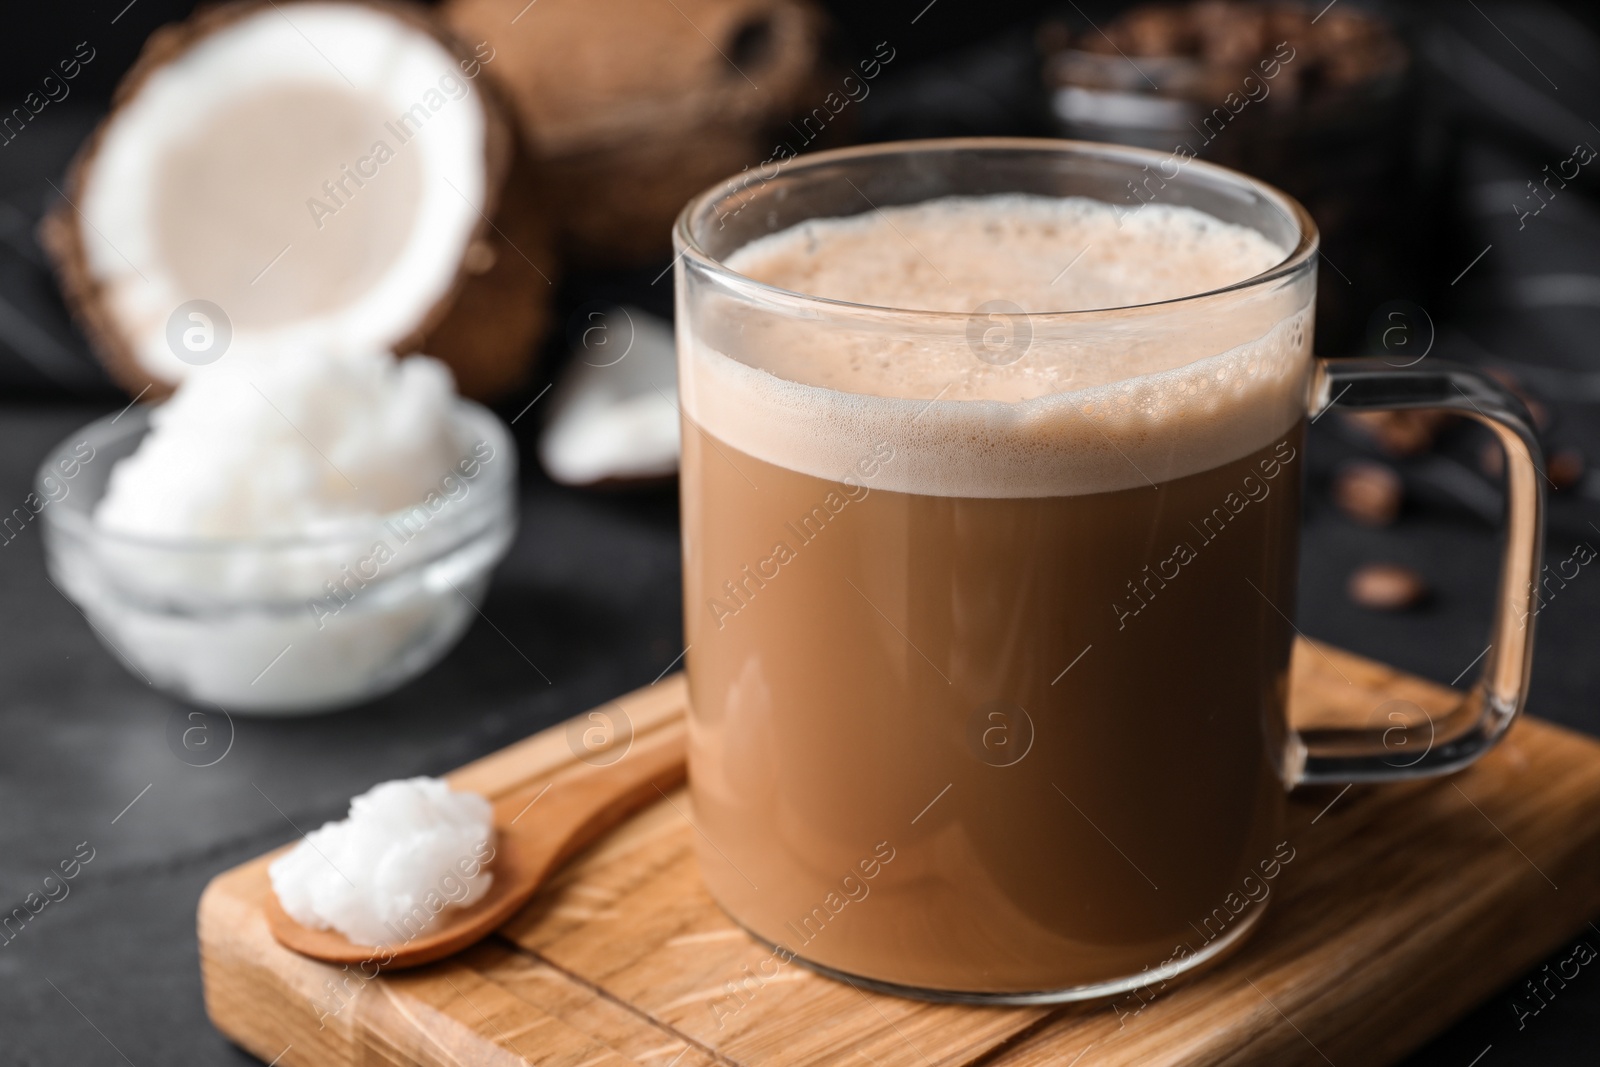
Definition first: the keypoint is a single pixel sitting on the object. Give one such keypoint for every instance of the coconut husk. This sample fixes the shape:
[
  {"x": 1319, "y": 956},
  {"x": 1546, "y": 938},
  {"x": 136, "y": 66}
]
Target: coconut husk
[{"x": 631, "y": 107}]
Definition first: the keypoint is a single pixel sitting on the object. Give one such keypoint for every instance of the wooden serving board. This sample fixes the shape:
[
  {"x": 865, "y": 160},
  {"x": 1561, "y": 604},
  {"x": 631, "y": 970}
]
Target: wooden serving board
[{"x": 1403, "y": 907}]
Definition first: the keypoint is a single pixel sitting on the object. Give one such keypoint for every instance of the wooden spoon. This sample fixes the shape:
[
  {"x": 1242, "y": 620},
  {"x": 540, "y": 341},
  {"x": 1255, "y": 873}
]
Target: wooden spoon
[{"x": 536, "y": 829}]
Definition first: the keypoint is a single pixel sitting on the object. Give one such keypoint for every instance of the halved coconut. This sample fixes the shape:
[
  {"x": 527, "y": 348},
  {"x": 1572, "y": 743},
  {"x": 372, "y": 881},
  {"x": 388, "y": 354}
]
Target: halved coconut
[{"x": 324, "y": 174}]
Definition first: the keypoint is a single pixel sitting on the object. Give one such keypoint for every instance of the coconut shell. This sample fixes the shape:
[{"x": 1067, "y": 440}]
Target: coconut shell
[
  {"x": 487, "y": 324},
  {"x": 631, "y": 107}
]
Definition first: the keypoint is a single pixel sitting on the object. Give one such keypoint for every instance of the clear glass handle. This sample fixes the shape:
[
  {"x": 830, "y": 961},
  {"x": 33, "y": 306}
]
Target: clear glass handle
[{"x": 1488, "y": 709}]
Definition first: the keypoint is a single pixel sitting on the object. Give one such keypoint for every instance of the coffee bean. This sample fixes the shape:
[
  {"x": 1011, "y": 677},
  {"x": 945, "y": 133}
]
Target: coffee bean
[
  {"x": 1492, "y": 459},
  {"x": 1565, "y": 468},
  {"x": 1401, "y": 433},
  {"x": 1387, "y": 587},
  {"x": 1537, "y": 412},
  {"x": 1536, "y": 408},
  {"x": 1369, "y": 493}
]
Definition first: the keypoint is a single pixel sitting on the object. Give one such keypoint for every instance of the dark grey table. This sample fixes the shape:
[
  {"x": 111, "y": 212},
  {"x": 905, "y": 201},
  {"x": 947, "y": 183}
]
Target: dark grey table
[{"x": 109, "y": 974}]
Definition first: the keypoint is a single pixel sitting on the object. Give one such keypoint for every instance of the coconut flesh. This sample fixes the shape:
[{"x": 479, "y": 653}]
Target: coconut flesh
[
  {"x": 408, "y": 850},
  {"x": 321, "y": 172},
  {"x": 614, "y": 414}
]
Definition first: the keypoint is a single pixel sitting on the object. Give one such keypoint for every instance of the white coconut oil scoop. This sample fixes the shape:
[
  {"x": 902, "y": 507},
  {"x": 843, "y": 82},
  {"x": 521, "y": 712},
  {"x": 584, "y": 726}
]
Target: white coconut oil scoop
[{"x": 534, "y": 830}]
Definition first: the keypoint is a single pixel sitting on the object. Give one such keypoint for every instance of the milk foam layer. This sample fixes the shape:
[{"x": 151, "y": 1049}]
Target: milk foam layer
[
  {"x": 986, "y": 404},
  {"x": 1042, "y": 253}
]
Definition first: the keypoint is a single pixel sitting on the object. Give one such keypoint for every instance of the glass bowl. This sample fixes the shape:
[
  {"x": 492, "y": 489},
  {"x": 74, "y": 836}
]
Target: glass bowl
[{"x": 286, "y": 625}]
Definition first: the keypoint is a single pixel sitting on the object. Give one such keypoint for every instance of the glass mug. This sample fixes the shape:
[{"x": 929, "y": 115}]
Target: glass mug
[{"x": 988, "y": 698}]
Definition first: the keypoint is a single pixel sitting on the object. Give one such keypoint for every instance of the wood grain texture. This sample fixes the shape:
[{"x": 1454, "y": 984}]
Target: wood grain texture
[{"x": 1402, "y": 907}]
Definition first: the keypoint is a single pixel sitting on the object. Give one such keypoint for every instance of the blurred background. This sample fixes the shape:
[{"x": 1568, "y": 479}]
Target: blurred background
[{"x": 1444, "y": 150}]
